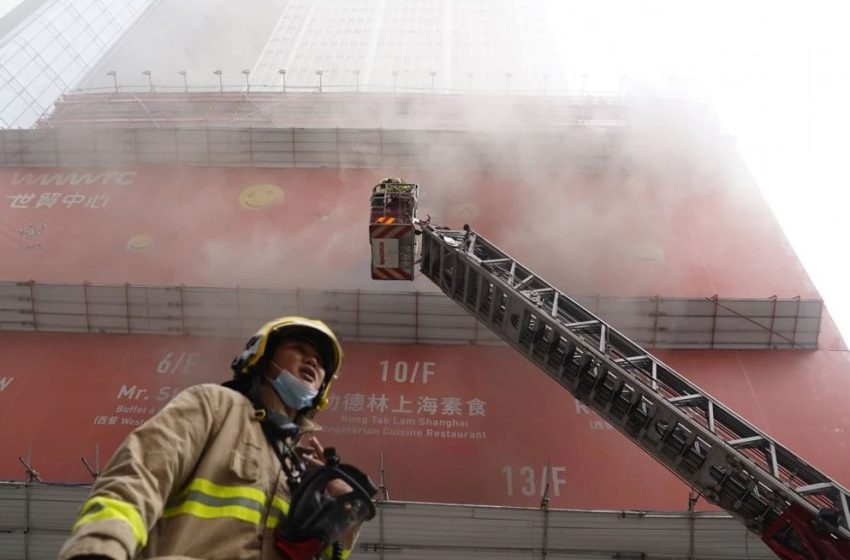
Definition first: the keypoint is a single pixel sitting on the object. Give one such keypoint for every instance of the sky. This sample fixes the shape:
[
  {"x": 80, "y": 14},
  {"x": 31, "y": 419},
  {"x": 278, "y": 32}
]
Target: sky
[{"x": 776, "y": 73}]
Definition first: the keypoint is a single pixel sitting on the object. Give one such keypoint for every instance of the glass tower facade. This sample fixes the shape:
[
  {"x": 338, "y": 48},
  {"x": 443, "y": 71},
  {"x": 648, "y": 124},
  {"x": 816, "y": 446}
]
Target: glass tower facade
[
  {"x": 53, "y": 49},
  {"x": 439, "y": 46}
]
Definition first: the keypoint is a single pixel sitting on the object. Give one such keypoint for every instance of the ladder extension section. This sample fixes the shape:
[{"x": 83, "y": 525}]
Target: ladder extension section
[{"x": 799, "y": 512}]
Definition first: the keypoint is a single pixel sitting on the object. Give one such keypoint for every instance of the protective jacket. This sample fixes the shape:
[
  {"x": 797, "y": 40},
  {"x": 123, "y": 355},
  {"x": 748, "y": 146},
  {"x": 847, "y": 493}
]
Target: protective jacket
[{"x": 198, "y": 480}]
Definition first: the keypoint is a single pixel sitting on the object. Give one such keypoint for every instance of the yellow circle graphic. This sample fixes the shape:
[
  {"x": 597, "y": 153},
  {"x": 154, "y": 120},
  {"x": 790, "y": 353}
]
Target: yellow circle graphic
[
  {"x": 260, "y": 196},
  {"x": 139, "y": 242},
  {"x": 648, "y": 251}
]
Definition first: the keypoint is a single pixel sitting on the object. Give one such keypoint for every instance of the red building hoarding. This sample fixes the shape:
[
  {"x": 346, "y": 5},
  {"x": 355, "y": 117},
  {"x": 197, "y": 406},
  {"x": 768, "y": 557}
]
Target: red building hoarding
[
  {"x": 453, "y": 424},
  {"x": 285, "y": 228}
]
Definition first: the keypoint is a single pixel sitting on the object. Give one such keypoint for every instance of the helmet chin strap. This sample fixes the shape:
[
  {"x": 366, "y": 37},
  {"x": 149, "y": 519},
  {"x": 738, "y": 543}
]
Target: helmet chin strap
[
  {"x": 281, "y": 432},
  {"x": 280, "y": 415}
]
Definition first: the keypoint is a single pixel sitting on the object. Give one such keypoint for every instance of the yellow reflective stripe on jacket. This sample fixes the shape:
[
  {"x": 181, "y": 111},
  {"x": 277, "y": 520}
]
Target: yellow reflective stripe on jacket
[
  {"x": 197, "y": 509},
  {"x": 329, "y": 553},
  {"x": 101, "y": 508},
  {"x": 279, "y": 510},
  {"x": 218, "y": 491},
  {"x": 207, "y": 500}
]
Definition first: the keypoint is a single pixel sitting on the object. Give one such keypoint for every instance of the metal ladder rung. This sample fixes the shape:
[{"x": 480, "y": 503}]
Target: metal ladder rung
[
  {"x": 685, "y": 400},
  {"x": 539, "y": 291},
  {"x": 582, "y": 324},
  {"x": 524, "y": 282},
  {"x": 815, "y": 488},
  {"x": 633, "y": 360},
  {"x": 745, "y": 442}
]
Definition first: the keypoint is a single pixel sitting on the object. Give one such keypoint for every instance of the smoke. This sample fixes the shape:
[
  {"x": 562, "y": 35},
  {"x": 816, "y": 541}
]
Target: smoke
[
  {"x": 598, "y": 195},
  {"x": 588, "y": 197},
  {"x": 195, "y": 36},
  {"x": 597, "y": 198}
]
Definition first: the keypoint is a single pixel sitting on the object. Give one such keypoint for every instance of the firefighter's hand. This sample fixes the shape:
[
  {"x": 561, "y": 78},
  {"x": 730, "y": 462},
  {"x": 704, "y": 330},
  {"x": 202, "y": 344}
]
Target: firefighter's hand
[{"x": 313, "y": 455}]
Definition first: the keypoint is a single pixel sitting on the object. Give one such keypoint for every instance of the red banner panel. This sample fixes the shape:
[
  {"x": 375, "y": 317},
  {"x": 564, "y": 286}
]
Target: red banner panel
[
  {"x": 453, "y": 424},
  {"x": 588, "y": 233}
]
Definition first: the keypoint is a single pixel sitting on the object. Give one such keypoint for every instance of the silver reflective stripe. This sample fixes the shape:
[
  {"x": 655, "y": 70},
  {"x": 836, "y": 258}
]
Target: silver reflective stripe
[{"x": 212, "y": 501}]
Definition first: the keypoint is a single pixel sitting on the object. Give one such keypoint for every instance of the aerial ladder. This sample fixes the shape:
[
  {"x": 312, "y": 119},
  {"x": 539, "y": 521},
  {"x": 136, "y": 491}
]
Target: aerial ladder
[{"x": 799, "y": 512}]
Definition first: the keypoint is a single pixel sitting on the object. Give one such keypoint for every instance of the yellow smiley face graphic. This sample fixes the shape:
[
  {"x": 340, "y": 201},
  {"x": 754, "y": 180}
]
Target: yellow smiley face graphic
[
  {"x": 261, "y": 196},
  {"x": 139, "y": 242},
  {"x": 648, "y": 251}
]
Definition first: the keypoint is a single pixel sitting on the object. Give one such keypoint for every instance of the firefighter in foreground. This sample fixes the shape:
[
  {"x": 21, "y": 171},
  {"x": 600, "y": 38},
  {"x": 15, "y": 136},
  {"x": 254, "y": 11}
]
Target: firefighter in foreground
[{"x": 234, "y": 472}]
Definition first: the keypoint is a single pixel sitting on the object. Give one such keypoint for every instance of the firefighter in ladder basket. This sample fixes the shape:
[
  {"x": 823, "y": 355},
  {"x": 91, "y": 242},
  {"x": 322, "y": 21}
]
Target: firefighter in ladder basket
[{"x": 392, "y": 229}]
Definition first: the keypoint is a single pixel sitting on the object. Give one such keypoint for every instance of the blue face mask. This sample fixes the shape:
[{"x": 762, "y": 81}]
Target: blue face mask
[{"x": 294, "y": 393}]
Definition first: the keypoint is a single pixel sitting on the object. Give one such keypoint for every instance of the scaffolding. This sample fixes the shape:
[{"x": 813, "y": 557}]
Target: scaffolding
[
  {"x": 392, "y": 317},
  {"x": 288, "y": 148},
  {"x": 35, "y": 519},
  {"x": 359, "y": 130},
  {"x": 344, "y": 110}
]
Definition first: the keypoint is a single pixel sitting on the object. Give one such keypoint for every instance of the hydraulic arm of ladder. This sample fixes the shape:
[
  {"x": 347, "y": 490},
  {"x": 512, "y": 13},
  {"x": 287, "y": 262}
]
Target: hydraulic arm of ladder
[{"x": 797, "y": 510}]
